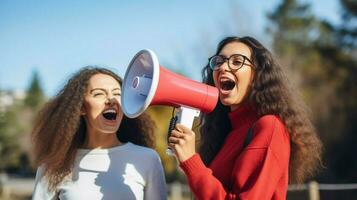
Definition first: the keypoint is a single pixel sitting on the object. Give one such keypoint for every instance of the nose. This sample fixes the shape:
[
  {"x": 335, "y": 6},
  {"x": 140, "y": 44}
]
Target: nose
[
  {"x": 110, "y": 101},
  {"x": 224, "y": 66}
]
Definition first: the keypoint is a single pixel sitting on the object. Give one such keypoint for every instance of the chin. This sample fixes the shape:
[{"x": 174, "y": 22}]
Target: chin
[
  {"x": 227, "y": 101},
  {"x": 109, "y": 130}
]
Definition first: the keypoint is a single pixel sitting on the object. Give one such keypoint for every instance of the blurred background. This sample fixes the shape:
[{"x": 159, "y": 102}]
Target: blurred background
[{"x": 42, "y": 43}]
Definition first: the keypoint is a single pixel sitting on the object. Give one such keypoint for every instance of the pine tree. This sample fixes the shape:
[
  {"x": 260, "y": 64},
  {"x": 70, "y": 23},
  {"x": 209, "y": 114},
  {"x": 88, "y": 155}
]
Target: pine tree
[
  {"x": 348, "y": 29},
  {"x": 291, "y": 27},
  {"x": 320, "y": 56},
  {"x": 9, "y": 142},
  {"x": 34, "y": 94},
  {"x": 344, "y": 163}
]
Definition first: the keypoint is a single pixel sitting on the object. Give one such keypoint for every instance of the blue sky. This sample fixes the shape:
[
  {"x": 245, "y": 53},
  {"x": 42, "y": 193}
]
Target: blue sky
[{"x": 57, "y": 38}]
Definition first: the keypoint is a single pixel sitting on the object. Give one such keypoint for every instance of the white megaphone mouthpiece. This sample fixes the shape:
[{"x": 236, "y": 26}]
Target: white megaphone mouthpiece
[{"x": 140, "y": 83}]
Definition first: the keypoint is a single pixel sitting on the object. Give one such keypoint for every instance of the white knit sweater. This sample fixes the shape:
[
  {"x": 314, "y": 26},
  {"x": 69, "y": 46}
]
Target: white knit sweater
[{"x": 125, "y": 172}]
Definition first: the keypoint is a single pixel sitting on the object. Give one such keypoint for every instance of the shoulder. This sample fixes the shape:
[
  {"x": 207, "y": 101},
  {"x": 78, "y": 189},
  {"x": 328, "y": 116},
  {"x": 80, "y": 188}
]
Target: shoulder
[
  {"x": 268, "y": 128},
  {"x": 40, "y": 190},
  {"x": 143, "y": 152},
  {"x": 145, "y": 159},
  {"x": 269, "y": 124},
  {"x": 269, "y": 121},
  {"x": 40, "y": 172},
  {"x": 142, "y": 149},
  {"x": 277, "y": 135}
]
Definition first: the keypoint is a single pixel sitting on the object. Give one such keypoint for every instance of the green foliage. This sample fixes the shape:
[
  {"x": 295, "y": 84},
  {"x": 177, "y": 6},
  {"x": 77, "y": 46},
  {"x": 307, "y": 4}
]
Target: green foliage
[
  {"x": 34, "y": 94},
  {"x": 343, "y": 55},
  {"x": 348, "y": 30},
  {"x": 9, "y": 143},
  {"x": 320, "y": 59},
  {"x": 293, "y": 24},
  {"x": 15, "y": 126}
]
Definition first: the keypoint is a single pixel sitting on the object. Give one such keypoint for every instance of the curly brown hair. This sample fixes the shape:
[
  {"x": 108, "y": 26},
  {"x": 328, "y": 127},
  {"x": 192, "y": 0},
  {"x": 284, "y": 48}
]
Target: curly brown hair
[
  {"x": 270, "y": 94},
  {"x": 60, "y": 129}
]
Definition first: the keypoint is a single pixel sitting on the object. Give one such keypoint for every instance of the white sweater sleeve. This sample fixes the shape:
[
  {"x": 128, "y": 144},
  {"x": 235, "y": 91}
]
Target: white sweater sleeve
[
  {"x": 156, "y": 184},
  {"x": 40, "y": 191}
]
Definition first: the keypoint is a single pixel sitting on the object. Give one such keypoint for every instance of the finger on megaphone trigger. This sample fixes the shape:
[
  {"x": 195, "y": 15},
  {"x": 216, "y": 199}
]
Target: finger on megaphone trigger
[
  {"x": 180, "y": 127},
  {"x": 177, "y": 134},
  {"x": 174, "y": 146},
  {"x": 183, "y": 128},
  {"x": 174, "y": 140},
  {"x": 171, "y": 145}
]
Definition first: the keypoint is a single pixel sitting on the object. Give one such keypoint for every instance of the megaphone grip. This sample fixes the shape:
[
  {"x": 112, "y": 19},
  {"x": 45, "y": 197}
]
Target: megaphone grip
[{"x": 172, "y": 125}]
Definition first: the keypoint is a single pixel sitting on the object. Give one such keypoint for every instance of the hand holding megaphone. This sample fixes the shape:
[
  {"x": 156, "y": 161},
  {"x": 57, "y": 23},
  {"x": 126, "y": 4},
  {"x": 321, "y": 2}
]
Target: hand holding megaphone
[
  {"x": 147, "y": 83},
  {"x": 182, "y": 141}
]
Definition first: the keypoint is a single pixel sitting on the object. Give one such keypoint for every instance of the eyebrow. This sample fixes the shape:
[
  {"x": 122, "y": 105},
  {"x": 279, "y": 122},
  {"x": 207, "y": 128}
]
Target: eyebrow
[
  {"x": 102, "y": 89},
  {"x": 232, "y": 55}
]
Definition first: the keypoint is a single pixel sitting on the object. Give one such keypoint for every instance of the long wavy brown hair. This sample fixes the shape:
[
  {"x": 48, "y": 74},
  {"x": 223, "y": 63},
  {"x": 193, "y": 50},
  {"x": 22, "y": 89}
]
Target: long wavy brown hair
[
  {"x": 270, "y": 94},
  {"x": 60, "y": 129}
]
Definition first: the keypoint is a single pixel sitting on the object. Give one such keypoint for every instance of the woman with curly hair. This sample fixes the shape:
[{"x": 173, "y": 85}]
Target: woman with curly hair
[
  {"x": 86, "y": 148},
  {"x": 258, "y": 138}
]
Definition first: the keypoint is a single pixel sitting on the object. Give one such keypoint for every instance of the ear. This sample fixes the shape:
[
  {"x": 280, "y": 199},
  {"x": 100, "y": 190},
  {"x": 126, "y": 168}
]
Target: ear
[{"x": 252, "y": 77}]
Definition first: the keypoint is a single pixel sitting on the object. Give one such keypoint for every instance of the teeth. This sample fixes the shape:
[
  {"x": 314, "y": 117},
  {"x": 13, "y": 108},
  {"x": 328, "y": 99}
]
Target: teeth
[
  {"x": 110, "y": 111},
  {"x": 226, "y": 81},
  {"x": 223, "y": 79}
]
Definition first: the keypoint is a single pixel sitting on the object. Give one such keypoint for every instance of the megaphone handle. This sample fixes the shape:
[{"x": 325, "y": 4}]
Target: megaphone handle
[
  {"x": 184, "y": 116},
  {"x": 172, "y": 125}
]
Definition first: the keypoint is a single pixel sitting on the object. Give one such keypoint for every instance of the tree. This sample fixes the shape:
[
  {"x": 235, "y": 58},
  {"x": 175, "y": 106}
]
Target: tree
[
  {"x": 348, "y": 30},
  {"x": 295, "y": 31},
  {"x": 9, "y": 132},
  {"x": 344, "y": 163},
  {"x": 15, "y": 126},
  {"x": 34, "y": 94},
  {"x": 291, "y": 27},
  {"x": 321, "y": 60}
]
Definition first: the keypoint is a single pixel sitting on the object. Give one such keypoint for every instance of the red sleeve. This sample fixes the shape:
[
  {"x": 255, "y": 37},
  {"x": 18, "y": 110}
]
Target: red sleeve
[
  {"x": 256, "y": 171},
  {"x": 202, "y": 183}
]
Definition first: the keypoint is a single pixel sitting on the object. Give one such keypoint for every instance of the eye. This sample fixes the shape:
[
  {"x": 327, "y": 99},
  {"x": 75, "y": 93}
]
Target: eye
[
  {"x": 98, "y": 94},
  {"x": 237, "y": 60},
  {"x": 117, "y": 94},
  {"x": 219, "y": 62}
]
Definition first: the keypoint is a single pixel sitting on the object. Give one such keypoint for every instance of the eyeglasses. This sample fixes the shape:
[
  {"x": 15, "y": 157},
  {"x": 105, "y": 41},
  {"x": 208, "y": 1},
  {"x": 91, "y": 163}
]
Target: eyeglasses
[{"x": 235, "y": 61}]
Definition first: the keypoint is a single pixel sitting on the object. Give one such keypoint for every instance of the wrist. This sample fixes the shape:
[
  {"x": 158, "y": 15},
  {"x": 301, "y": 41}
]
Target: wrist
[{"x": 186, "y": 157}]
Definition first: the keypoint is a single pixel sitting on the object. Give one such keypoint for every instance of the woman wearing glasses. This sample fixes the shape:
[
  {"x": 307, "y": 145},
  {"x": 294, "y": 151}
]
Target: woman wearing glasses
[{"x": 258, "y": 139}]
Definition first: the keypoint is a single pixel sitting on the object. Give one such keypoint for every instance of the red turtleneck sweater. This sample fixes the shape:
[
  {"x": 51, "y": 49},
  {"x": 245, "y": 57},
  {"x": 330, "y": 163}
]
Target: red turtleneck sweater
[{"x": 260, "y": 171}]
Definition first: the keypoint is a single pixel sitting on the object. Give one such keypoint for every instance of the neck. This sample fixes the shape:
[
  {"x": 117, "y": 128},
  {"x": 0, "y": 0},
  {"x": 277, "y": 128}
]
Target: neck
[
  {"x": 243, "y": 115},
  {"x": 236, "y": 106},
  {"x": 99, "y": 140}
]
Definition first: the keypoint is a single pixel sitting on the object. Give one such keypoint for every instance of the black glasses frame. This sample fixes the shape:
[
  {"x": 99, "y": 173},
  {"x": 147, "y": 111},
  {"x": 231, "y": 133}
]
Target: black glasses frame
[{"x": 225, "y": 59}]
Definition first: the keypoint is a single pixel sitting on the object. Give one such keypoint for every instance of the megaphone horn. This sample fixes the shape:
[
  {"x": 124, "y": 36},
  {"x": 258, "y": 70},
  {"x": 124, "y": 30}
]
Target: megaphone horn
[{"x": 147, "y": 83}]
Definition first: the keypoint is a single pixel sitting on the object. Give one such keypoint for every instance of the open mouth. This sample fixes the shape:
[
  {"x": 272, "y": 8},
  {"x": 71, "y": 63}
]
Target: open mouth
[
  {"x": 227, "y": 84},
  {"x": 110, "y": 114}
]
